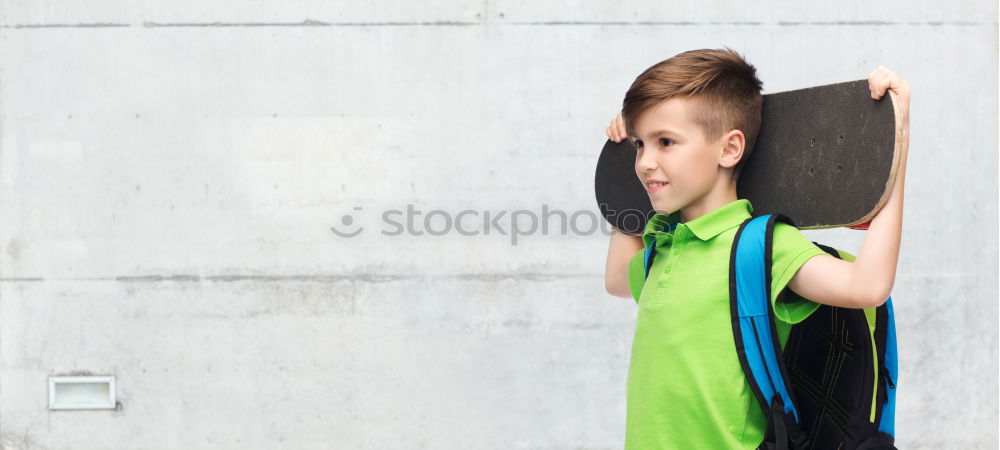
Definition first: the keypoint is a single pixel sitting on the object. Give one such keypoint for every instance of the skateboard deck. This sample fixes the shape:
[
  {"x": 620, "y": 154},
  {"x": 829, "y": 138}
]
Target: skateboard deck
[{"x": 826, "y": 157}]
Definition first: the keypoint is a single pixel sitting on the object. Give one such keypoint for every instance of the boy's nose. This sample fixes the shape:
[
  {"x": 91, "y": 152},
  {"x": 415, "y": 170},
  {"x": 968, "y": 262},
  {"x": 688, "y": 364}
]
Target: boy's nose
[{"x": 645, "y": 163}]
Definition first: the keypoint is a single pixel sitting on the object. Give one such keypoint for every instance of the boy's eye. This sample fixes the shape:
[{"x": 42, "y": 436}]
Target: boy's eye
[{"x": 663, "y": 141}]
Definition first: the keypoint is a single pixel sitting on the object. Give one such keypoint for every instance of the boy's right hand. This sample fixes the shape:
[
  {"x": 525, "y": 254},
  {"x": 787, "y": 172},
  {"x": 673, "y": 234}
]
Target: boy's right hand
[{"x": 616, "y": 131}]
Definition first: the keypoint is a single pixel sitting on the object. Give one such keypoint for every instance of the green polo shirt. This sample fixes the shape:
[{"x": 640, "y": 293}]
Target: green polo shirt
[{"x": 686, "y": 388}]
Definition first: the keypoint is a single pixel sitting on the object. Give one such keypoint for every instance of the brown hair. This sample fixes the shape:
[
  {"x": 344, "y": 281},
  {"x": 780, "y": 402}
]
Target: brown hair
[{"x": 724, "y": 87}]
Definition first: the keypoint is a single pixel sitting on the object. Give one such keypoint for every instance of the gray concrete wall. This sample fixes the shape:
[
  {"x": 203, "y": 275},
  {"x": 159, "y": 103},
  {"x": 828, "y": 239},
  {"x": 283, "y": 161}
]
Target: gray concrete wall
[{"x": 170, "y": 173}]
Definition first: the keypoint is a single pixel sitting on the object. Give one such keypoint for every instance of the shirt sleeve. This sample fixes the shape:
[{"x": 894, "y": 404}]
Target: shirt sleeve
[
  {"x": 636, "y": 274},
  {"x": 790, "y": 249}
]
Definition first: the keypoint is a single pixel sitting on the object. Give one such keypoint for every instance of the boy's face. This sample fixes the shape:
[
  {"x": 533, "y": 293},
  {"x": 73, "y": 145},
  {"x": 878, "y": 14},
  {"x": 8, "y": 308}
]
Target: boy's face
[{"x": 672, "y": 149}]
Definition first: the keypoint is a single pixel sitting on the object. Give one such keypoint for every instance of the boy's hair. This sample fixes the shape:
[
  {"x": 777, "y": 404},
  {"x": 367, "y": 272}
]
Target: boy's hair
[{"x": 724, "y": 87}]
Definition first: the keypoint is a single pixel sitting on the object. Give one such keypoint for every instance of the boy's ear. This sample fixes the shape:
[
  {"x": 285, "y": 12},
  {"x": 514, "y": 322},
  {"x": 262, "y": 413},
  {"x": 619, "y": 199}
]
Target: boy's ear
[{"x": 734, "y": 143}]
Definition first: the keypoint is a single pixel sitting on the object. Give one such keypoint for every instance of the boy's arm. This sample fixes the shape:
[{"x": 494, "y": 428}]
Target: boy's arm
[
  {"x": 621, "y": 249},
  {"x": 623, "y": 246},
  {"x": 868, "y": 280}
]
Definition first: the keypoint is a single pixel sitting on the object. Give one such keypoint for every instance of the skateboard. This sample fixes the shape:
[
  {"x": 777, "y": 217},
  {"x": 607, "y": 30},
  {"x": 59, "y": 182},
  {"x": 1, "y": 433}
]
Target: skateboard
[{"x": 826, "y": 157}]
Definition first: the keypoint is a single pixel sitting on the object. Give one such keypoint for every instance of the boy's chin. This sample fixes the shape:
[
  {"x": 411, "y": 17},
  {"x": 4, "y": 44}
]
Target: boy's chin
[
  {"x": 665, "y": 208},
  {"x": 662, "y": 208}
]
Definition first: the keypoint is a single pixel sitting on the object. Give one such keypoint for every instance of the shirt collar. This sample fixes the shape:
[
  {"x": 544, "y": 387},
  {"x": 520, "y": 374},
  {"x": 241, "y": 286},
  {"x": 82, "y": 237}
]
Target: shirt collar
[{"x": 662, "y": 227}]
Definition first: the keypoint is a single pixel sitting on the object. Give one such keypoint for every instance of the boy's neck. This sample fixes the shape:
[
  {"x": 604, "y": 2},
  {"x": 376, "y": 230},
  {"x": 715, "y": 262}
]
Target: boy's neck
[{"x": 721, "y": 195}]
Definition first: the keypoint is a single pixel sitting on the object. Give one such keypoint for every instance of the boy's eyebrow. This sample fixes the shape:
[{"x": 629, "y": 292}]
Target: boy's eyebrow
[{"x": 658, "y": 132}]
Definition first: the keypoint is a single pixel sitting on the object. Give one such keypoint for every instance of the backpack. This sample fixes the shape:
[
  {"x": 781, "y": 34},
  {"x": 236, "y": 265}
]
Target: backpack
[{"x": 838, "y": 367}]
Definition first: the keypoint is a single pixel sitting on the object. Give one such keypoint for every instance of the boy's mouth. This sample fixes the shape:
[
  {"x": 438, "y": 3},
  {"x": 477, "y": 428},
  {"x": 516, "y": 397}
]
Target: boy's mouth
[{"x": 655, "y": 185}]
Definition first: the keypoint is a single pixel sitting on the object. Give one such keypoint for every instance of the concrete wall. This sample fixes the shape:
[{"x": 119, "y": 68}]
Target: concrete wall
[{"x": 170, "y": 174}]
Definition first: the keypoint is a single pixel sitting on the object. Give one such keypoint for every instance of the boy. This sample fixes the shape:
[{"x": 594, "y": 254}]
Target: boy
[{"x": 693, "y": 120}]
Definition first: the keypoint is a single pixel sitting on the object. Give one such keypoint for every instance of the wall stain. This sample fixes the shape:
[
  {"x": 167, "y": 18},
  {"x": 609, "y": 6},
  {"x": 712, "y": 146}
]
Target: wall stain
[
  {"x": 481, "y": 22},
  {"x": 320, "y": 278}
]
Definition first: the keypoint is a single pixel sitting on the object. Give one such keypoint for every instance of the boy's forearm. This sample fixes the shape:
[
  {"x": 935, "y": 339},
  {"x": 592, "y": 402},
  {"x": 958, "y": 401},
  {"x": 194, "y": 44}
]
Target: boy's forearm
[
  {"x": 875, "y": 265},
  {"x": 621, "y": 248}
]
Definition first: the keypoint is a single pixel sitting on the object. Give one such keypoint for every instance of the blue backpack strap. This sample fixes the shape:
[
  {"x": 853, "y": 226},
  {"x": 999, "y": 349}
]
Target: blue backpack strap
[
  {"x": 887, "y": 423},
  {"x": 648, "y": 256},
  {"x": 651, "y": 249},
  {"x": 754, "y": 332}
]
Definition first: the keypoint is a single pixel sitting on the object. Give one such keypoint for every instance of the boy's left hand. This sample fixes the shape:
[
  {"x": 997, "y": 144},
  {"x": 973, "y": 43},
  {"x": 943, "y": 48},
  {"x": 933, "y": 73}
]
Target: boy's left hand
[{"x": 881, "y": 79}]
